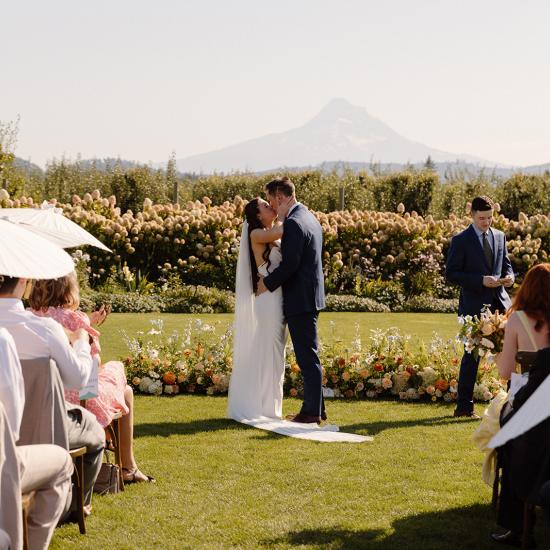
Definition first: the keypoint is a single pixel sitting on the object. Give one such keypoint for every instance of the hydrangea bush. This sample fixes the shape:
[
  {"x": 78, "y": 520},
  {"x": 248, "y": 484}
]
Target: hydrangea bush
[{"x": 385, "y": 256}]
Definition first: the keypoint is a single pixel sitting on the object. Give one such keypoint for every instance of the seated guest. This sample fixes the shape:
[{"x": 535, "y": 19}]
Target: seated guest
[
  {"x": 59, "y": 299},
  {"x": 528, "y": 326},
  {"x": 45, "y": 469},
  {"x": 37, "y": 337},
  {"x": 527, "y": 332}
]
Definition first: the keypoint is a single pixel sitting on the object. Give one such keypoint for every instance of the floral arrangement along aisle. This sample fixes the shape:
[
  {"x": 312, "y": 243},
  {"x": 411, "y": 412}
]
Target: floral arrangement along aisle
[{"x": 387, "y": 365}]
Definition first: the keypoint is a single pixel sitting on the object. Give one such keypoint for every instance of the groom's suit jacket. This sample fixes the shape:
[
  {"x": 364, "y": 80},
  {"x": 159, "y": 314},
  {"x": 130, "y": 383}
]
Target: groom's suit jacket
[
  {"x": 467, "y": 265},
  {"x": 300, "y": 273}
]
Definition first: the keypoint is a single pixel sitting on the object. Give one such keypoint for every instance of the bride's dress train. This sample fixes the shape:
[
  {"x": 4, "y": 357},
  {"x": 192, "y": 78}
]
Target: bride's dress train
[{"x": 256, "y": 385}]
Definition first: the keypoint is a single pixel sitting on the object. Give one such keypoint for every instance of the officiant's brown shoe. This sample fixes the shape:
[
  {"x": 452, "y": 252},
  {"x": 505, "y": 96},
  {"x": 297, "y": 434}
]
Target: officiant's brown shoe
[{"x": 306, "y": 419}]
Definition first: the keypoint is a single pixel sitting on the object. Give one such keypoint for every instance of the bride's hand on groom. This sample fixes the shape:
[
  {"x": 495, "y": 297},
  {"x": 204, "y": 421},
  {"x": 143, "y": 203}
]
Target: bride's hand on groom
[
  {"x": 283, "y": 208},
  {"x": 261, "y": 286}
]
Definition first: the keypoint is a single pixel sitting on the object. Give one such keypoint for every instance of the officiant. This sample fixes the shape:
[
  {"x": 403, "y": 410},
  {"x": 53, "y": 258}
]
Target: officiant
[{"x": 478, "y": 262}]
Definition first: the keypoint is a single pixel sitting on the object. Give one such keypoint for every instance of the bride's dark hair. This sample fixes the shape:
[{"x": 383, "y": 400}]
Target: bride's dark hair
[{"x": 251, "y": 211}]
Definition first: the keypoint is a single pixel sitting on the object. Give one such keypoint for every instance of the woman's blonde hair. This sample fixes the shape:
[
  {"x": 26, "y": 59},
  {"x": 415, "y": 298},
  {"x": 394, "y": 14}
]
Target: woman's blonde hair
[{"x": 62, "y": 292}]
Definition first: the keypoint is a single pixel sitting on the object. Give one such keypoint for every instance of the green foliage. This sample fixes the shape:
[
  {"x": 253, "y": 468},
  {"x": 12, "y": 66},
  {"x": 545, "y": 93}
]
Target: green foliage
[
  {"x": 429, "y": 304},
  {"x": 346, "y": 303},
  {"x": 413, "y": 189},
  {"x": 525, "y": 193}
]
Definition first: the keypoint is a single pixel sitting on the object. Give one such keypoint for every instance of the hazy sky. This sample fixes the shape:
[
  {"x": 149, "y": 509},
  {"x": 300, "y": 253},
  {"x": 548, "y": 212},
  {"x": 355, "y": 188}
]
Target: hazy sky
[{"x": 138, "y": 79}]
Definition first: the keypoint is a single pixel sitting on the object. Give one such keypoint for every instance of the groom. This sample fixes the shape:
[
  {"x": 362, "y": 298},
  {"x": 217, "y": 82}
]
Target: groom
[
  {"x": 300, "y": 275},
  {"x": 478, "y": 262}
]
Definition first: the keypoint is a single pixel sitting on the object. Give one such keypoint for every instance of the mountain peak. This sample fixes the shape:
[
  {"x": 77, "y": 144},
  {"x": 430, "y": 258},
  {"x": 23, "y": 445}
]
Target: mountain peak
[
  {"x": 341, "y": 131},
  {"x": 341, "y": 107}
]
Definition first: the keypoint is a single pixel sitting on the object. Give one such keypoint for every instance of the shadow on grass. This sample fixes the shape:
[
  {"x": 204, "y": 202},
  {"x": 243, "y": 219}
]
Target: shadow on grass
[
  {"x": 167, "y": 429},
  {"x": 373, "y": 428},
  {"x": 458, "y": 528}
]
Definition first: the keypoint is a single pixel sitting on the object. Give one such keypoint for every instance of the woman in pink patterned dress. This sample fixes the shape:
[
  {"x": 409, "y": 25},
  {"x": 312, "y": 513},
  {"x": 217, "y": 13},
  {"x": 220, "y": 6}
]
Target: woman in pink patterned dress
[{"x": 59, "y": 299}]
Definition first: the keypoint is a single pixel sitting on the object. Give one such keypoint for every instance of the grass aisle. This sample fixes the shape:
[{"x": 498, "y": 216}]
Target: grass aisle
[{"x": 223, "y": 485}]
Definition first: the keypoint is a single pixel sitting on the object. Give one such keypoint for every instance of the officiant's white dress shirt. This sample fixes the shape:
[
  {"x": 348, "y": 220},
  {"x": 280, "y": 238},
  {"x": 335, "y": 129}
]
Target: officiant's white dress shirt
[
  {"x": 43, "y": 337},
  {"x": 12, "y": 389}
]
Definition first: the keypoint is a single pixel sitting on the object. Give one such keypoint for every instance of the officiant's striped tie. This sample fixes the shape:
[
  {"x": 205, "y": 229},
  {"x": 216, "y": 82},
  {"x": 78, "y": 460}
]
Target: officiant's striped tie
[{"x": 488, "y": 250}]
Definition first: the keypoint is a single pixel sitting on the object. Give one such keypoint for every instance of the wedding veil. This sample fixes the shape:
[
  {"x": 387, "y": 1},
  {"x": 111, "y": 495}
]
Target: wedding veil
[{"x": 245, "y": 320}]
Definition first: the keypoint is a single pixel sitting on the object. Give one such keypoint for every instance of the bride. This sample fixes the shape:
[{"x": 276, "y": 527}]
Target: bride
[{"x": 256, "y": 385}]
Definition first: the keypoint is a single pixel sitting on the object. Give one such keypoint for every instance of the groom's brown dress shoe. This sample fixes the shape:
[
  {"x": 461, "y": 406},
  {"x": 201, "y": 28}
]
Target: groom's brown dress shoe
[
  {"x": 467, "y": 414},
  {"x": 306, "y": 419}
]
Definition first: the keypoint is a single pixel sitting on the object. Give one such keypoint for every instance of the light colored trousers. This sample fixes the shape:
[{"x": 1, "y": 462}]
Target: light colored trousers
[{"x": 46, "y": 469}]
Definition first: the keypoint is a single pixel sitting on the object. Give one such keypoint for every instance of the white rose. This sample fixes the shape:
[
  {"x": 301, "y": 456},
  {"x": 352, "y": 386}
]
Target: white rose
[{"x": 487, "y": 343}]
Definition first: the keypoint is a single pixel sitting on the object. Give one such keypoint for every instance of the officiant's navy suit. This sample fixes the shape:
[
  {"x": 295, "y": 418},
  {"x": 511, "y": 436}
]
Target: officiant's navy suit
[
  {"x": 300, "y": 275},
  {"x": 467, "y": 264}
]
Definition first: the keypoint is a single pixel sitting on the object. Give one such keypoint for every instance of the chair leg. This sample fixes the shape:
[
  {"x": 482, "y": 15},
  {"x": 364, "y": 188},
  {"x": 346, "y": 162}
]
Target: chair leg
[
  {"x": 78, "y": 476},
  {"x": 496, "y": 483},
  {"x": 527, "y": 525}
]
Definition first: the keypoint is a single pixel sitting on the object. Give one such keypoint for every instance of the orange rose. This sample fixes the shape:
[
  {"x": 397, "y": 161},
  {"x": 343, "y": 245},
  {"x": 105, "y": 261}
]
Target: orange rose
[
  {"x": 293, "y": 392},
  {"x": 169, "y": 378},
  {"x": 442, "y": 385},
  {"x": 345, "y": 376},
  {"x": 341, "y": 362},
  {"x": 364, "y": 373},
  {"x": 378, "y": 367},
  {"x": 294, "y": 367}
]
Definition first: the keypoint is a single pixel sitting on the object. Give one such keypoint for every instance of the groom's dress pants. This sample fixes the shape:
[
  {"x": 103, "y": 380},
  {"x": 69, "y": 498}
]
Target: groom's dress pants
[{"x": 303, "y": 332}]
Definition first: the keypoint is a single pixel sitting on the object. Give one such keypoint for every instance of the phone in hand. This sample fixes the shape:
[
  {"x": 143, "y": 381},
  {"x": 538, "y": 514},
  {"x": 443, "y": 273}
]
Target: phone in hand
[{"x": 106, "y": 309}]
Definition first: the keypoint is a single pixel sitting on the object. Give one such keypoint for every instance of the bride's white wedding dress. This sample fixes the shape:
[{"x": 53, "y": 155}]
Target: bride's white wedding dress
[{"x": 256, "y": 385}]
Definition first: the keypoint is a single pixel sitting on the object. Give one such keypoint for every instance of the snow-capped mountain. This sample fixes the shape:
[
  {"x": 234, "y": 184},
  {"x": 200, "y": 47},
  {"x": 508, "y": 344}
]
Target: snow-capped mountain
[{"x": 340, "y": 132}]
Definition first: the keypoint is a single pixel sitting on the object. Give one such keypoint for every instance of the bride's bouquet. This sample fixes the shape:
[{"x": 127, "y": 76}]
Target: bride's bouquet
[{"x": 483, "y": 336}]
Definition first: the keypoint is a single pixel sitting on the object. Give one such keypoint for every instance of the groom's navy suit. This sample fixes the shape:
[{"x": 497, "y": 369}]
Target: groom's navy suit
[
  {"x": 300, "y": 275},
  {"x": 466, "y": 266}
]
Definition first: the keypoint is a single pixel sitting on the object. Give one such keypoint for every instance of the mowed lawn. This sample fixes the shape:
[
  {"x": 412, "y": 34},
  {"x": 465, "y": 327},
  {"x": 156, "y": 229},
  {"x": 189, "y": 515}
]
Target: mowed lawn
[
  {"x": 331, "y": 326},
  {"x": 224, "y": 485}
]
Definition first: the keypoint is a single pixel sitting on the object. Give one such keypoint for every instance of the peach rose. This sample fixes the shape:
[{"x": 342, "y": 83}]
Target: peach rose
[{"x": 169, "y": 378}]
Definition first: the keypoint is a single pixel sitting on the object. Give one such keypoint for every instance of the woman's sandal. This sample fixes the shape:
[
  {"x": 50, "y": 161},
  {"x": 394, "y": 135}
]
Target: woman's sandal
[{"x": 136, "y": 476}]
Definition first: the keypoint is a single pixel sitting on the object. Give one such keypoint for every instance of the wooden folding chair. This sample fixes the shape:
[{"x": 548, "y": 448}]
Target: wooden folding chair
[{"x": 78, "y": 479}]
